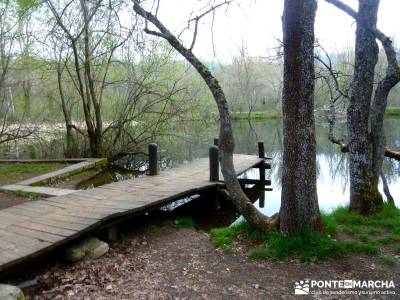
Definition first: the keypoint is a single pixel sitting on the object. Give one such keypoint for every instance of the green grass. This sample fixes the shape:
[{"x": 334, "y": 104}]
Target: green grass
[
  {"x": 14, "y": 172},
  {"x": 29, "y": 195},
  {"x": 388, "y": 260},
  {"x": 345, "y": 232},
  {"x": 392, "y": 111},
  {"x": 184, "y": 222},
  {"x": 256, "y": 115},
  {"x": 153, "y": 229}
]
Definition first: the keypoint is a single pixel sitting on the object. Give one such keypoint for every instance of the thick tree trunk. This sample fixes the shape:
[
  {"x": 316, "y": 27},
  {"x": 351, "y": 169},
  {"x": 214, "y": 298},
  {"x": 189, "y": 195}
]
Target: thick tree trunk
[
  {"x": 364, "y": 195},
  {"x": 299, "y": 202}
]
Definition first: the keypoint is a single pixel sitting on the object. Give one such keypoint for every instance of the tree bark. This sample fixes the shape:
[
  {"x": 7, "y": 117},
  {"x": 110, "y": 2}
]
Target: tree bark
[
  {"x": 299, "y": 202},
  {"x": 391, "y": 79},
  {"x": 364, "y": 195}
]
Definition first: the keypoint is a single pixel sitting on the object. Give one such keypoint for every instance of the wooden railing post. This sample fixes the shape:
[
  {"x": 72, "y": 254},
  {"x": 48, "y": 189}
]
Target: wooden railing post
[
  {"x": 261, "y": 149},
  {"x": 153, "y": 160},
  {"x": 261, "y": 154},
  {"x": 216, "y": 142},
  {"x": 214, "y": 164}
]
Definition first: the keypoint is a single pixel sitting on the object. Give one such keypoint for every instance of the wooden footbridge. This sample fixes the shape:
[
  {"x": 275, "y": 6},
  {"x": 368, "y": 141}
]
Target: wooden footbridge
[{"x": 31, "y": 230}]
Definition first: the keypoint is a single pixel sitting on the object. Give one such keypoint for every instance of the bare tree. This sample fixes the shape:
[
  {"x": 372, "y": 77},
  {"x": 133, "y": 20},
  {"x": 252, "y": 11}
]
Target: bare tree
[
  {"x": 94, "y": 33},
  {"x": 226, "y": 140},
  {"x": 11, "y": 129}
]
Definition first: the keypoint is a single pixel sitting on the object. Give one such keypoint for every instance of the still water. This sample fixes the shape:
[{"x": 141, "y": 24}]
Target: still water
[
  {"x": 191, "y": 140},
  {"x": 332, "y": 165}
]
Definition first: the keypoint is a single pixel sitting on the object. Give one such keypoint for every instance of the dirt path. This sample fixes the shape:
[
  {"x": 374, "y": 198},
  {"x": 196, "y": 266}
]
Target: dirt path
[
  {"x": 180, "y": 263},
  {"x": 7, "y": 200}
]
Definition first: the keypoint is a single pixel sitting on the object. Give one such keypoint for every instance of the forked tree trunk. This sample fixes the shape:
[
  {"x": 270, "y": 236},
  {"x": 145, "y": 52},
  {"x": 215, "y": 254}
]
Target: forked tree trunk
[
  {"x": 364, "y": 195},
  {"x": 299, "y": 202},
  {"x": 378, "y": 107}
]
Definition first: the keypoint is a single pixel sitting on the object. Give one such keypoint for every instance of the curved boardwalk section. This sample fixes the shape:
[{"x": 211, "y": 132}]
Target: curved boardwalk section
[{"x": 31, "y": 230}]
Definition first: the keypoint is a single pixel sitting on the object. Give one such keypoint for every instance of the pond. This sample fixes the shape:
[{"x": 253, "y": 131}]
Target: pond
[
  {"x": 332, "y": 165},
  {"x": 191, "y": 140}
]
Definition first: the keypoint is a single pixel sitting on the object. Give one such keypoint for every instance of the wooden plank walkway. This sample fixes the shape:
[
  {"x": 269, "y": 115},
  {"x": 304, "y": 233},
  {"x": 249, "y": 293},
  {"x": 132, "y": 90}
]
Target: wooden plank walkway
[
  {"x": 42, "y": 190},
  {"x": 26, "y": 185},
  {"x": 32, "y": 229},
  {"x": 67, "y": 171}
]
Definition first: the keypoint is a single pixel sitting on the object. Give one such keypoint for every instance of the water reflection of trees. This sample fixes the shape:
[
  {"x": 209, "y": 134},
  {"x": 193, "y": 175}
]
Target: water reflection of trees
[{"x": 330, "y": 161}]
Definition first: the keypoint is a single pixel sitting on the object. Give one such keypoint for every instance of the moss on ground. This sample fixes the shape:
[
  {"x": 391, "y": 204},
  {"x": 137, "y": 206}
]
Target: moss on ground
[
  {"x": 22, "y": 194},
  {"x": 345, "y": 232},
  {"x": 184, "y": 222}
]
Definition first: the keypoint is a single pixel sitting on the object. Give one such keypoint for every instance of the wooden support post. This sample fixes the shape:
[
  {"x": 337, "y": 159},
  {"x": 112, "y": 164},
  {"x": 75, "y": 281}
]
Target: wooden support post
[
  {"x": 216, "y": 142},
  {"x": 261, "y": 150},
  {"x": 112, "y": 233},
  {"x": 153, "y": 160},
  {"x": 261, "y": 154},
  {"x": 214, "y": 164},
  {"x": 216, "y": 204}
]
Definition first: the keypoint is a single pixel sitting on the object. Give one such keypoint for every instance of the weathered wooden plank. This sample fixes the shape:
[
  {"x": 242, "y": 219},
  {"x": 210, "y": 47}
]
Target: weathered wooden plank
[
  {"x": 34, "y": 228},
  {"x": 25, "y": 242},
  {"x": 48, "y": 229},
  {"x": 32, "y": 233},
  {"x": 60, "y": 224},
  {"x": 72, "y": 219},
  {"x": 23, "y": 211}
]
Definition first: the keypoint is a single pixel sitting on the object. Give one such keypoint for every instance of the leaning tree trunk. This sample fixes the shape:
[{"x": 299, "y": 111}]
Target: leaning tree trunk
[
  {"x": 226, "y": 140},
  {"x": 364, "y": 195},
  {"x": 299, "y": 202}
]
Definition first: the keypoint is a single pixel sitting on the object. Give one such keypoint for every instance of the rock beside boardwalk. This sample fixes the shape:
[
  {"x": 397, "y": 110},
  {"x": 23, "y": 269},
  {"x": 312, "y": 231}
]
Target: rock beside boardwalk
[
  {"x": 90, "y": 247},
  {"x": 10, "y": 292}
]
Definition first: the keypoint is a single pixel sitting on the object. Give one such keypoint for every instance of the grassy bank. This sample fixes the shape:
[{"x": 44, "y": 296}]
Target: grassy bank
[
  {"x": 345, "y": 232},
  {"x": 392, "y": 111},
  {"x": 15, "y": 172},
  {"x": 256, "y": 115}
]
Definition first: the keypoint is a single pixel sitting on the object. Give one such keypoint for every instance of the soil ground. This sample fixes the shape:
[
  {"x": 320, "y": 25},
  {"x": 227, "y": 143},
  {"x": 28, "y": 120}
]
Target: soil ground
[
  {"x": 164, "y": 261},
  {"x": 8, "y": 200}
]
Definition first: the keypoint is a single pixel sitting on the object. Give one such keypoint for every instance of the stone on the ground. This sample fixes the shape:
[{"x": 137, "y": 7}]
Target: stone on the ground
[
  {"x": 10, "y": 292},
  {"x": 90, "y": 247}
]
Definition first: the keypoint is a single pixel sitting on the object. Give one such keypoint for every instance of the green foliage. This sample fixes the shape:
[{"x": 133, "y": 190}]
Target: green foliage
[
  {"x": 329, "y": 223},
  {"x": 388, "y": 260},
  {"x": 392, "y": 111},
  {"x": 24, "y": 6},
  {"x": 256, "y": 115},
  {"x": 184, "y": 222},
  {"x": 22, "y": 194},
  {"x": 306, "y": 246},
  {"x": 313, "y": 245},
  {"x": 14, "y": 172},
  {"x": 225, "y": 236}
]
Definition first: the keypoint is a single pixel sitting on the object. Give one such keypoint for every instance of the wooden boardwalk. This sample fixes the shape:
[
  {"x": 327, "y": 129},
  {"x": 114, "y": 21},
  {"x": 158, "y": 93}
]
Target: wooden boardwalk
[
  {"x": 31, "y": 230},
  {"x": 28, "y": 185}
]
